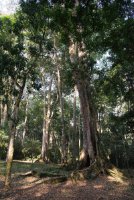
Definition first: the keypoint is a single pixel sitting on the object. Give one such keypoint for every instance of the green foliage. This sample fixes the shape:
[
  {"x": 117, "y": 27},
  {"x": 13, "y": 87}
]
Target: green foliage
[
  {"x": 115, "y": 107},
  {"x": 31, "y": 148},
  {"x": 35, "y": 117},
  {"x": 3, "y": 144},
  {"x": 38, "y": 37},
  {"x": 54, "y": 154},
  {"x": 18, "y": 149},
  {"x": 19, "y": 167}
]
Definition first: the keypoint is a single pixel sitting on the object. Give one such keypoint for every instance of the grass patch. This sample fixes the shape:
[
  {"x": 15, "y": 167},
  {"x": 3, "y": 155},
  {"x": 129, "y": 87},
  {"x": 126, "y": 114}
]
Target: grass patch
[{"x": 19, "y": 167}]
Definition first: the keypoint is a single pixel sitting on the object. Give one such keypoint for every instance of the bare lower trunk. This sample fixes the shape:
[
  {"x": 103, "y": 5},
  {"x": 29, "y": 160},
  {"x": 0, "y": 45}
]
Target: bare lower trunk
[
  {"x": 45, "y": 140},
  {"x": 94, "y": 122},
  {"x": 88, "y": 153},
  {"x": 44, "y": 128},
  {"x": 13, "y": 120},
  {"x": 46, "y": 123},
  {"x": 3, "y": 114},
  {"x": 74, "y": 136},
  {"x": 25, "y": 122},
  {"x": 10, "y": 154},
  {"x": 63, "y": 136},
  {"x": 80, "y": 135},
  {"x": 12, "y": 131}
]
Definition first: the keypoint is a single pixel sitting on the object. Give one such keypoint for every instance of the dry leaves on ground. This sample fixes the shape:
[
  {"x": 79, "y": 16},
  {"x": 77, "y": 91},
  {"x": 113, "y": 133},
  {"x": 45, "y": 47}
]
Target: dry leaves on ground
[{"x": 102, "y": 188}]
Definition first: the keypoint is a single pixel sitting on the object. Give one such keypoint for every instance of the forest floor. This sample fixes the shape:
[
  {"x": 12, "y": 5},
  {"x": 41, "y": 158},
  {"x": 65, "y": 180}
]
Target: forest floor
[{"x": 33, "y": 188}]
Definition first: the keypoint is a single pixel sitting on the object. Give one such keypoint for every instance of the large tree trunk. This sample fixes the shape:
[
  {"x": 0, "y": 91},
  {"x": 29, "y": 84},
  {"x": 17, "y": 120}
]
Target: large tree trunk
[
  {"x": 89, "y": 150},
  {"x": 94, "y": 122},
  {"x": 88, "y": 153},
  {"x": 80, "y": 66},
  {"x": 13, "y": 120}
]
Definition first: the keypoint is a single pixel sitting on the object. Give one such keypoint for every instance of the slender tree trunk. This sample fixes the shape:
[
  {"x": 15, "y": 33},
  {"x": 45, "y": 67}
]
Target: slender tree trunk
[
  {"x": 10, "y": 153},
  {"x": 70, "y": 142},
  {"x": 12, "y": 130},
  {"x": 3, "y": 113},
  {"x": 63, "y": 136},
  {"x": 74, "y": 139},
  {"x": 80, "y": 135},
  {"x": 46, "y": 122},
  {"x": 25, "y": 122}
]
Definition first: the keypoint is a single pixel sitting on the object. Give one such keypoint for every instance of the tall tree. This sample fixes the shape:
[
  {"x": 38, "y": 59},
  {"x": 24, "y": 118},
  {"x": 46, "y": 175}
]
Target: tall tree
[
  {"x": 85, "y": 29},
  {"x": 15, "y": 68},
  {"x": 46, "y": 120}
]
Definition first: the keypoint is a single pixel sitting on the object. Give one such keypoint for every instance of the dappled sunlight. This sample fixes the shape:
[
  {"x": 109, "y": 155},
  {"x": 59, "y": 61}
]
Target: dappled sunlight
[
  {"x": 71, "y": 183},
  {"x": 38, "y": 194},
  {"x": 67, "y": 192},
  {"x": 78, "y": 183},
  {"x": 30, "y": 179},
  {"x": 41, "y": 191},
  {"x": 82, "y": 183},
  {"x": 103, "y": 187},
  {"x": 98, "y": 186},
  {"x": 116, "y": 176},
  {"x": 118, "y": 180}
]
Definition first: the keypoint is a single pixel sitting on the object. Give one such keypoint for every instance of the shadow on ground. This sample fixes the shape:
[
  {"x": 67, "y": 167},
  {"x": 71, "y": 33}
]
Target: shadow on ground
[{"x": 102, "y": 188}]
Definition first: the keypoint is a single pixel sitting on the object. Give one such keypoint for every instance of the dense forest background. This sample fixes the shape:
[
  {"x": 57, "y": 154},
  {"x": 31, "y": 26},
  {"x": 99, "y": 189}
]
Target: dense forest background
[{"x": 67, "y": 82}]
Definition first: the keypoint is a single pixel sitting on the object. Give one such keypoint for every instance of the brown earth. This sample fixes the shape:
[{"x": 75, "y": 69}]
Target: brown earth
[{"x": 102, "y": 188}]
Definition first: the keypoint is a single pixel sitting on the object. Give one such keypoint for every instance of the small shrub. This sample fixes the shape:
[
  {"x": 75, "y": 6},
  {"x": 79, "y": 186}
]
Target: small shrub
[
  {"x": 54, "y": 155},
  {"x": 18, "y": 154},
  {"x": 31, "y": 148}
]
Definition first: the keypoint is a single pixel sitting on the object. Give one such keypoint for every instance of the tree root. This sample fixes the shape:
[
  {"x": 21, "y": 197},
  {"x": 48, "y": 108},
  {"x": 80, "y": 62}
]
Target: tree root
[
  {"x": 48, "y": 177},
  {"x": 90, "y": 172},
  {"x": 29, "y": 173}
]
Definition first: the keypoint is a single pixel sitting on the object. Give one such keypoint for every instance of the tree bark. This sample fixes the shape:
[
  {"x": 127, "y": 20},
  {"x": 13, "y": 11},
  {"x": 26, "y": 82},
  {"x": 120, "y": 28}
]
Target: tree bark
[
  {"x": 46, "y": 123},
  {"x": 25, "y": 122},
  {"x": 88, "y": 153},
  {"x": 80, "y": 135},
  {"x": 10, "y": 153},
  {"x": 63, "y": 136},
  {"x": 94, "y": 122},
  {"x": 13, "y": 120},
  {"x": 74, "y": 136},
  {"x": 3, "y": 113},
  {"x": 77, "y": 55}
]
